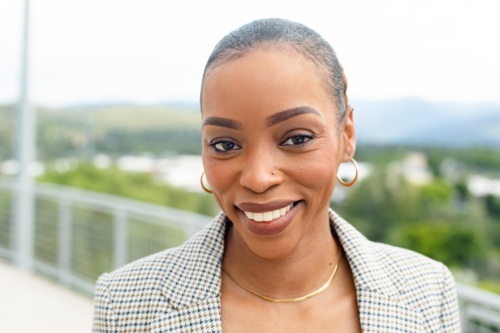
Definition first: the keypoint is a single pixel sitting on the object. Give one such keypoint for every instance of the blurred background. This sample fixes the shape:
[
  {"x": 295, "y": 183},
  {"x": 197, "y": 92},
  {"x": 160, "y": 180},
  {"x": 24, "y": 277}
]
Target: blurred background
[{"x": 100, "y": 132}]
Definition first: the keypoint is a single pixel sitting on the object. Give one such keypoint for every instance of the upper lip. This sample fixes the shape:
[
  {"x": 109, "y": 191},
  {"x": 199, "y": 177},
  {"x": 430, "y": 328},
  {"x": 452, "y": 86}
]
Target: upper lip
[{"x": 263, "y": 207}]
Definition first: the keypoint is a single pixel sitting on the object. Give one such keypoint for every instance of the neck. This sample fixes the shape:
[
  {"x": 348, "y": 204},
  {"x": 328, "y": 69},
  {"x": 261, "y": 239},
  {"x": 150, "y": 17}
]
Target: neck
[{"x": 306, "y": 267}]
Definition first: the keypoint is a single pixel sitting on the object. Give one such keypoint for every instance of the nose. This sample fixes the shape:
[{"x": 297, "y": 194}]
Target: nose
[{"x": 261, "y": 172}]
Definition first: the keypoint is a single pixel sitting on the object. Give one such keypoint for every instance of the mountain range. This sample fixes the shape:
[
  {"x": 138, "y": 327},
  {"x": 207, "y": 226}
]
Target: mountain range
[{"x": 417, "y": 122}]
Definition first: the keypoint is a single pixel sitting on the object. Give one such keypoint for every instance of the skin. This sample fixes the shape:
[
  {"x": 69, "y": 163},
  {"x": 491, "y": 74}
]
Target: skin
[{"x": 271, "y": 137}]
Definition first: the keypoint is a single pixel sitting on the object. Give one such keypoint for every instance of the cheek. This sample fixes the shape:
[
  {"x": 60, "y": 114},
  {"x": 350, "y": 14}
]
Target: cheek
[
  {"x": 218, "y": 174},
  {"x": 220, "y": 177},
  {"x": 319, "y": 172}
]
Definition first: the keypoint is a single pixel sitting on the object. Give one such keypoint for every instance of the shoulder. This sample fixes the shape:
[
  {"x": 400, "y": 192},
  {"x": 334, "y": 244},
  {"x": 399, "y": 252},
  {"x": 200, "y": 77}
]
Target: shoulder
[
  {"x": 385, "y": 264},
  {"x": 146, "y": 271},
  {"x": 422, "y": 284},
  {"x": 415, "y": 275},
  {"x": 408, "y": 278},
  {"x": 407, "y": 264},
  {"x": 130, "y": 293},
  {"x": 135, "y": 293}
]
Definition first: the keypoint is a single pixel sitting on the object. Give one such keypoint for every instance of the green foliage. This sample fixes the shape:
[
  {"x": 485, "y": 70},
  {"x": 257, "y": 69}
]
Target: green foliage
[
  {"x": 380, "y": 155},
  {"x": 490, "y": 285},
  {"x": 439, "y": 219},
  {"x": 435, "y": 201},
  {"x": 492, "y": 205},
  {"x": 376, "y": 208},
  {"x": 485, "y": 159},
  {"x": 454, "y": 245},
  {"x": 462, "y": 190},
  {"x": 132, "y": 185},
  {"x": 177, "y": 140},
  {"x": 5, "y": 224},
  {"x": 436, "y": 193}
]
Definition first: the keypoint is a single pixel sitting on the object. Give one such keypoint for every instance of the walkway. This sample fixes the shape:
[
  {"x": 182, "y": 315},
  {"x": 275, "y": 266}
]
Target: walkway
[{"x": 30, "y": 303}]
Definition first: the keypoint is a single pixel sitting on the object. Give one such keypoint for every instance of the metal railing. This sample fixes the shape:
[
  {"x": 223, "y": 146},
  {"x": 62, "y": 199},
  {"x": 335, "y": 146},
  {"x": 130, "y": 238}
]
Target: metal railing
[
  {"x": 479, "y": 309},
  {"x": 80, "y": 234}
]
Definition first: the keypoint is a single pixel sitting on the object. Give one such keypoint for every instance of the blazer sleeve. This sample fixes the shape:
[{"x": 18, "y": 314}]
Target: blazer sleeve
[
  {"x": 450, "y": 316},
  {"x": 104, "y": 316}
]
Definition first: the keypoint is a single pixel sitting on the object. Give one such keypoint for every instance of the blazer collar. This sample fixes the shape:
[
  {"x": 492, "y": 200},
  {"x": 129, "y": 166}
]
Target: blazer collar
[
  {"x": 194, "y": 274},
  {"x": 193, "y": 279},
  {"x": 379, "y": 284},
  {"x": 368, "y": 266}
]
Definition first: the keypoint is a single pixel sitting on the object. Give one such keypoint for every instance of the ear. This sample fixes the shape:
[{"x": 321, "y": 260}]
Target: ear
[{"x": 348, "y": 138}]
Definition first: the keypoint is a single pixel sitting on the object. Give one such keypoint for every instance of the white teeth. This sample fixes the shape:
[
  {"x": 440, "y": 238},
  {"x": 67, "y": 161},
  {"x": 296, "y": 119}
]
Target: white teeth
[{"x": 268, "y": 216}]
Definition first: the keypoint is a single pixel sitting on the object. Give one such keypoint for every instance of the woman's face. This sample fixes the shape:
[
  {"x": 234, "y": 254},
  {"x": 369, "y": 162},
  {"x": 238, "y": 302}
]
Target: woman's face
[{"x": 271, "y": 148}]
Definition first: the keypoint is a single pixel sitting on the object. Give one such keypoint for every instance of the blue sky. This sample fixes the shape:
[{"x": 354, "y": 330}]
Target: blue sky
[{"x": 149, "y": 51}]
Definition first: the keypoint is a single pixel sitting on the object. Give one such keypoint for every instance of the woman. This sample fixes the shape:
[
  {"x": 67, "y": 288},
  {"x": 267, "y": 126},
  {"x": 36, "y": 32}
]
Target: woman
[{"x": 276, "y": 126}]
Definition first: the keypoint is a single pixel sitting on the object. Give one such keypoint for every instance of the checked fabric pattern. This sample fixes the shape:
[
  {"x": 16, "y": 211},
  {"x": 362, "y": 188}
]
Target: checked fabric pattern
[{"x": 178, "y": 290}]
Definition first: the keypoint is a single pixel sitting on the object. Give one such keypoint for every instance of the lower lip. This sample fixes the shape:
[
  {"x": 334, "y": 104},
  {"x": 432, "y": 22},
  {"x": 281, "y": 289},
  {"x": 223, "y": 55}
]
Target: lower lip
[{"x": 272, "y": 227}]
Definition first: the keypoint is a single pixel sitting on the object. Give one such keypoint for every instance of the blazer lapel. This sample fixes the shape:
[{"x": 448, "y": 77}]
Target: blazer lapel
[
  {"x": 381, "y": 313},
  {"x": 204, "y": 316},
  {"x": 380, "y": 306},
  {"x": 192, "y": 285}
]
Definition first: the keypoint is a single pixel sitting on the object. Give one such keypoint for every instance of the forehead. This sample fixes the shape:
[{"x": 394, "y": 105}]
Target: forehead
[{"x": 269, "y": 79}]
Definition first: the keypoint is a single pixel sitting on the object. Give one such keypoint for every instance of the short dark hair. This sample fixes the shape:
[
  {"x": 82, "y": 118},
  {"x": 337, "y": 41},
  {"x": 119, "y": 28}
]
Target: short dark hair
[{"x": 276, "y": 32}]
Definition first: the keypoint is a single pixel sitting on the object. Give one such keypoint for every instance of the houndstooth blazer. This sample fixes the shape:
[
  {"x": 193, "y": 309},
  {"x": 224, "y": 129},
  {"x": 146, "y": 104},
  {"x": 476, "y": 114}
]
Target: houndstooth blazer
[{"x": 178, "y": 290}]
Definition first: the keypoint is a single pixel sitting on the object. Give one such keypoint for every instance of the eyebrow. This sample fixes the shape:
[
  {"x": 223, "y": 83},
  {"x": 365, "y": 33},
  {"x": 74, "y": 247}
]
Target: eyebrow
[
  {"x": 222, "y": 122},
  {"x": 271, "y": 120},
  {"x": 290, "y": 113}
]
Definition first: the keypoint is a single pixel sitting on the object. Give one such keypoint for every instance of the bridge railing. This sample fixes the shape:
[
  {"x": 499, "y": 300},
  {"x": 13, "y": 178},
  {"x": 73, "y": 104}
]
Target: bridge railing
[{"x": 80, "y": 234}]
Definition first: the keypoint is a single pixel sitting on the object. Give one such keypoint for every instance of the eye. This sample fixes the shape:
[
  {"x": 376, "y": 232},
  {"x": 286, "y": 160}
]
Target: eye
[
  {"x": 297, "y": 140},
  {"x": 224, "y": 146}
]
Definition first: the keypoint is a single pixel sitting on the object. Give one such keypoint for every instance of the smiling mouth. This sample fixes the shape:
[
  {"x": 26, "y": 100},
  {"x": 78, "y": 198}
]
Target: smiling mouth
[{"x": 269, "y": 216}]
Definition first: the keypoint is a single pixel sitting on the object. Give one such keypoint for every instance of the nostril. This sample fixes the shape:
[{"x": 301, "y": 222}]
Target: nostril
[{"x": 259, "y": 183}]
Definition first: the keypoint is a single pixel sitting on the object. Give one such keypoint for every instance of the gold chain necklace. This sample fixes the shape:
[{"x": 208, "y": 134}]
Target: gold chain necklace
[{"x": 291, "y": 300}]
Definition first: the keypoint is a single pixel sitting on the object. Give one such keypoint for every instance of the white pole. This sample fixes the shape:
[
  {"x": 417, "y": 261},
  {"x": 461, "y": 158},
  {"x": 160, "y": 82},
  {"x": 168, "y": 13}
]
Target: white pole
[{"x": 24, "y": 202}]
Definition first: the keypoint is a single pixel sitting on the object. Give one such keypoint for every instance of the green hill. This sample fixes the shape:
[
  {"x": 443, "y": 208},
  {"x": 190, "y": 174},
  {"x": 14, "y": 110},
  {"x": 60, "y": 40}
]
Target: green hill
[{"x": 115, "y": 130}]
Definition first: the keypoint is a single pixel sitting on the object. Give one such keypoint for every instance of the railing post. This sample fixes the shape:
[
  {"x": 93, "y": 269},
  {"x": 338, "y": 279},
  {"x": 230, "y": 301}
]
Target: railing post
[
  {"x": 119, "y": 238},
  {"x": 23, "y": 225},
  {"x": 25, "y": 201},
  {"x": 64, "y": 249}
]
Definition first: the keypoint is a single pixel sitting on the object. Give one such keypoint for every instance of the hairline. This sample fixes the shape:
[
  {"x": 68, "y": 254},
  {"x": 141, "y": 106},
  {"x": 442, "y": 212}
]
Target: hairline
[{"x": 322, "y": 71}]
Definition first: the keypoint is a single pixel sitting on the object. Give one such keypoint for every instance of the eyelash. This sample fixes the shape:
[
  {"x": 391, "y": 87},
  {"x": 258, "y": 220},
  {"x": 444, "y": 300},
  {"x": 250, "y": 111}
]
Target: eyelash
[
  {"x": 234, "y": 147},
  {"x": 307, "y": 137},
  {"x": 214, "y": 144}
]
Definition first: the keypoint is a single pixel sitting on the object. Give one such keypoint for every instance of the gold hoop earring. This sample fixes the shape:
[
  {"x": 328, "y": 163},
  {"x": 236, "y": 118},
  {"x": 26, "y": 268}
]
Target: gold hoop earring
[
  {"x": 349, "y": 184},
  {"x": 206, "y": 189}
]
